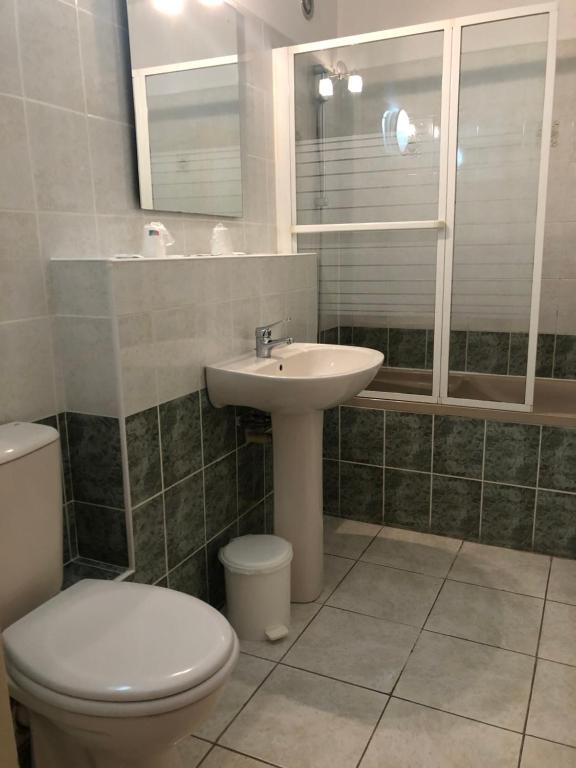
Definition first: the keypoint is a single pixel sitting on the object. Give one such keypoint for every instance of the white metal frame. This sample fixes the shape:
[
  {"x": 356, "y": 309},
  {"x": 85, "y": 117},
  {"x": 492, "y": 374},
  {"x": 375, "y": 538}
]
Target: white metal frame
[
  {"x": 141, "y": 115},
  {"x": 288, "y": 229},
  {"x": 458, "y": 24}
]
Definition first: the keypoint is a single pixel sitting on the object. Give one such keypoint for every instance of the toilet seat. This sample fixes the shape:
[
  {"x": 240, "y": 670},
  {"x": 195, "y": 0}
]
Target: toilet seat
[{"x": 120, "y": 650}]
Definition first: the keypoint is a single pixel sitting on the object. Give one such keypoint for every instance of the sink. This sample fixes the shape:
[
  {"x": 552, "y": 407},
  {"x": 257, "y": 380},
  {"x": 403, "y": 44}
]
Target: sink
[
  {"x": 296, "y": 384},
  {"x": 296, "y": 378}
]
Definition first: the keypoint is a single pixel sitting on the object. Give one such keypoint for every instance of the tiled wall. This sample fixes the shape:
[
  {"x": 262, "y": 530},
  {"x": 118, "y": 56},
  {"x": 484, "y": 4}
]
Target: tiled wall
[
  {"x": 195, "y": 483},
  {"x": 68, "y": 170},
  {"x": 156, "y": 473},
  {"x": 134, "y": 334},
  {"x": 500, "y": 483},
  {"x": 472, "y": 351}
]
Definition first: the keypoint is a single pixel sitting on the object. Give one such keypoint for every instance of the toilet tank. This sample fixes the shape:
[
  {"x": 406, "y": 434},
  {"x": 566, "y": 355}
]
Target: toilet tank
[{"x": 31, "y": 524}]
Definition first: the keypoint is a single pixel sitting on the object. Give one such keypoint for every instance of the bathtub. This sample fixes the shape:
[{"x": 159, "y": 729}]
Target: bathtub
[{"x": 554, "y": 399}]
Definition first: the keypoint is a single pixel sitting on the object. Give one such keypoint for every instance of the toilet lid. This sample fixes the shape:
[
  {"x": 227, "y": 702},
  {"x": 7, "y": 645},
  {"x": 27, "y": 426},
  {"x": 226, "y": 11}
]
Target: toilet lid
[{"x": 116, "y": 641}]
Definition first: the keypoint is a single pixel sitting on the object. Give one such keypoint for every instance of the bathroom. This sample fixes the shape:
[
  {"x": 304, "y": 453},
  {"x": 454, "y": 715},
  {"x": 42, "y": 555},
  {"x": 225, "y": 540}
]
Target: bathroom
[{"x": 395, "y": 186}]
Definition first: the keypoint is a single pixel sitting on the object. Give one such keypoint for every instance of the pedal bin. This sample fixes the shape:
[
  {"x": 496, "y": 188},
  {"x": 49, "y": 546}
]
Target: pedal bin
[{"x": 257, "y": 569}]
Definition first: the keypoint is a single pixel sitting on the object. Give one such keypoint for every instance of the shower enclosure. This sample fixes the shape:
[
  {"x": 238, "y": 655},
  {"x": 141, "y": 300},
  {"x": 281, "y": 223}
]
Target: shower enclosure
[{"x": 414, "y": 161}]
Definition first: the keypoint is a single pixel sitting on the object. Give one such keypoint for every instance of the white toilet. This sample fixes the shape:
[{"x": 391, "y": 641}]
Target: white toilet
[{"x": 112, "y": 674}]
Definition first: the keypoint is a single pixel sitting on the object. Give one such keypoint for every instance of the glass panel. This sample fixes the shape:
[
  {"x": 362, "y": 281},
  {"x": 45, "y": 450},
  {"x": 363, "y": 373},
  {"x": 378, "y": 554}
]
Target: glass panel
[
  {"x": 502, "y": 79},
  {"x": 368, "y": 131},
  {"x": 194, "y": 127},
  {"x": 378, "y": 289}
]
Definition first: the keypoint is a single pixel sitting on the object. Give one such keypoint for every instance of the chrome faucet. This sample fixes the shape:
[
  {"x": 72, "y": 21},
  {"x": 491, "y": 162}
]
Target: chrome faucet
[{"x": 264, "y": 341}]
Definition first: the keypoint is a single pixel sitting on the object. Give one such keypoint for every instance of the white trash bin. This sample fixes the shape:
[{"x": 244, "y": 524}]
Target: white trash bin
[{"x": 258, "y": 586}]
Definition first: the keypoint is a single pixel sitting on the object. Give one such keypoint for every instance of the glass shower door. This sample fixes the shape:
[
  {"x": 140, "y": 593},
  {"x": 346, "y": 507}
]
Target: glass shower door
[
  {"x": 418, "y": 169},
  {"x": 498, "y": 208},
  {"x": 368, "y": 148}
]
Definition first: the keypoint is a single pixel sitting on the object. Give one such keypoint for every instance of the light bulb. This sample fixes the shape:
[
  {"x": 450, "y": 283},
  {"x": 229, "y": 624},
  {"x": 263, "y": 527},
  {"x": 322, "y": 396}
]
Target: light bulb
[
  {"x": 355, "y": 84},
  {"x": 326, "y": 88},
  {"x": 169, "y": 7}
]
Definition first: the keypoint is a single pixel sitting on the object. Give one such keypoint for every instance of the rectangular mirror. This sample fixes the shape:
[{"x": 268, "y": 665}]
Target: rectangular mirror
[{"x": 187, "y": 104}]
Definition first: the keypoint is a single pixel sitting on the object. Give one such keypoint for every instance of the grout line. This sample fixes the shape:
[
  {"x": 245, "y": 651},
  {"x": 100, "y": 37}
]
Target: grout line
[
  {"x": 529, "y": 702},
  {"x": 254, "y": 759},
  {"x": 424, "y": 624},
  {"x": 535, "y": 512},
  {"x": 275, "y": 664},
  {"x": 509, "y": 357},
  {"x": 431, "y": 492},
  {"x": 456, "y": 477},
  {"x": 483, "y": 483},
  {"x": 384, "y": 427},
  {"x": 339, "y": 454},
  {"x": 455, "y": 714}
]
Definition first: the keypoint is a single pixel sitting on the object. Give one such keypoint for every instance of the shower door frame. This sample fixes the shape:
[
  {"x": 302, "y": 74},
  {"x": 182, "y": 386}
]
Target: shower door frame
[{"x": 286, "y": 202}]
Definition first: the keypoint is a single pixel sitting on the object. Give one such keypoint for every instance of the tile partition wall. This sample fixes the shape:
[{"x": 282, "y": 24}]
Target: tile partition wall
[
  {"x": 496, "y": 482},
  {"x": 160, "y": 478}
]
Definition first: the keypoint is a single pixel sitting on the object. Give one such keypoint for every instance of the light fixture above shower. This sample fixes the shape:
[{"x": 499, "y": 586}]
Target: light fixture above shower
[{"x": 340, "y": 72}]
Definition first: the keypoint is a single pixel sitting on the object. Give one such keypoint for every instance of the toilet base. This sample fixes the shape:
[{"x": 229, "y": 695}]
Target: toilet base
[{"x": 53, "y": 748}]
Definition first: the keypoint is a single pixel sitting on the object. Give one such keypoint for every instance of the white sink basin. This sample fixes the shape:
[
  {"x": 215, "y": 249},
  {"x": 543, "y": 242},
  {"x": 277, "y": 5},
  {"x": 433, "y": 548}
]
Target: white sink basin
[
  {"x": 295, "y": 379},
  {"x": 297, "y": 383}
]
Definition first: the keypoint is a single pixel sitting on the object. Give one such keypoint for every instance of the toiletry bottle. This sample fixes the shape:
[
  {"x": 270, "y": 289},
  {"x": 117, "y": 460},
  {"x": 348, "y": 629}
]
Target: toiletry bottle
[
  {"x": 155, "y": 239},
  {"x": 220, "y": 243}
]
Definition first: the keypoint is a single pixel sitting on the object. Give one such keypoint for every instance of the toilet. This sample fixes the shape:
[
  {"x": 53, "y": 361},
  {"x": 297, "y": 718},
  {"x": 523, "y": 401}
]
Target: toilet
[{"x": 112, "y": 674}]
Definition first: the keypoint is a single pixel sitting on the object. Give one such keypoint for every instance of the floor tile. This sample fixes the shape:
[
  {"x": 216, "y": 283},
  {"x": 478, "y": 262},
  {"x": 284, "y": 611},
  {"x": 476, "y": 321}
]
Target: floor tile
[
  {"x": 562, "y": 586},
  {"x": 223, "y": 758},
  {"x": 301, "y": 720},
  {"x": 347, "y": 538},
  {"x": 387, "y": 593},
  {"x": 354, "y": 648},
  {"x": 559, "y": 633},
  {"x": 191, "y": 751},
  {"x": 553, "y": 707},
  {"x": 335, "y": 568},
  {"x": 247, "y": 676},
  {"x": 545, "y": 754},
  {"x": 301, "y": 615},
  {"x": 412, "y": 551},
  {"x": 508, "y": 569},
  {"x": 411, "y": 736},
  {"x": 488, "y": 616},
  {"x": 465, "y": 678}
]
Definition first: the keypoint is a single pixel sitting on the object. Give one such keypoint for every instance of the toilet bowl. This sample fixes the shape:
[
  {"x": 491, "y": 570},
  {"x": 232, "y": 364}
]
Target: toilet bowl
[{"x": 114, "y": 674}]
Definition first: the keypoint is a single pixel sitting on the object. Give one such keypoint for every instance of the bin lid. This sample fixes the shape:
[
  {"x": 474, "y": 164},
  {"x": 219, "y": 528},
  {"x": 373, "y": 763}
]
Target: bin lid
[{"x": 254, "y": 554}]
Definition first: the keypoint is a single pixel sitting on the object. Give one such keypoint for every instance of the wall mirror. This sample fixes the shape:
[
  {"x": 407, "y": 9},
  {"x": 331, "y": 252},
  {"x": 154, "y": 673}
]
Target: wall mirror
[{"x": 187, "y": 106}]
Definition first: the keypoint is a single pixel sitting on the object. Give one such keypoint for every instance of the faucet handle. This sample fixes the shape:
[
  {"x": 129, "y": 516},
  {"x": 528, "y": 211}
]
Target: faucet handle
[{"x": 266, "y": 330}]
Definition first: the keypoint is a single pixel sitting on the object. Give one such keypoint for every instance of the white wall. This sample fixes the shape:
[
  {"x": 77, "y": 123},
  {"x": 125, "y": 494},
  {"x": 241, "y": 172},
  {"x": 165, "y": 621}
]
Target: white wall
[
  {"x": 357, "y": 16},
  {"x": 285, "y": 16}
]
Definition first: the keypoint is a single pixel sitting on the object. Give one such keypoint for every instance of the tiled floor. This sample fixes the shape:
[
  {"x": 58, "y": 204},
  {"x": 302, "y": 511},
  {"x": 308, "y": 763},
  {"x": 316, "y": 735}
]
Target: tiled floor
[{"x": 422, "y": 652}]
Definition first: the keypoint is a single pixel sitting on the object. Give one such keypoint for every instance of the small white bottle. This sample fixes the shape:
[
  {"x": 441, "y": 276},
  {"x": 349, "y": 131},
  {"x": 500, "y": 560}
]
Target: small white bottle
[
  {"x": 220, "y": 242},
  {"x": 155, "y": 240}
]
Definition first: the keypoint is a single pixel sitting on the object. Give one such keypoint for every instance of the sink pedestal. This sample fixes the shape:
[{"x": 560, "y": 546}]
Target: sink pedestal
[{"x": 298, "y": 497}]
